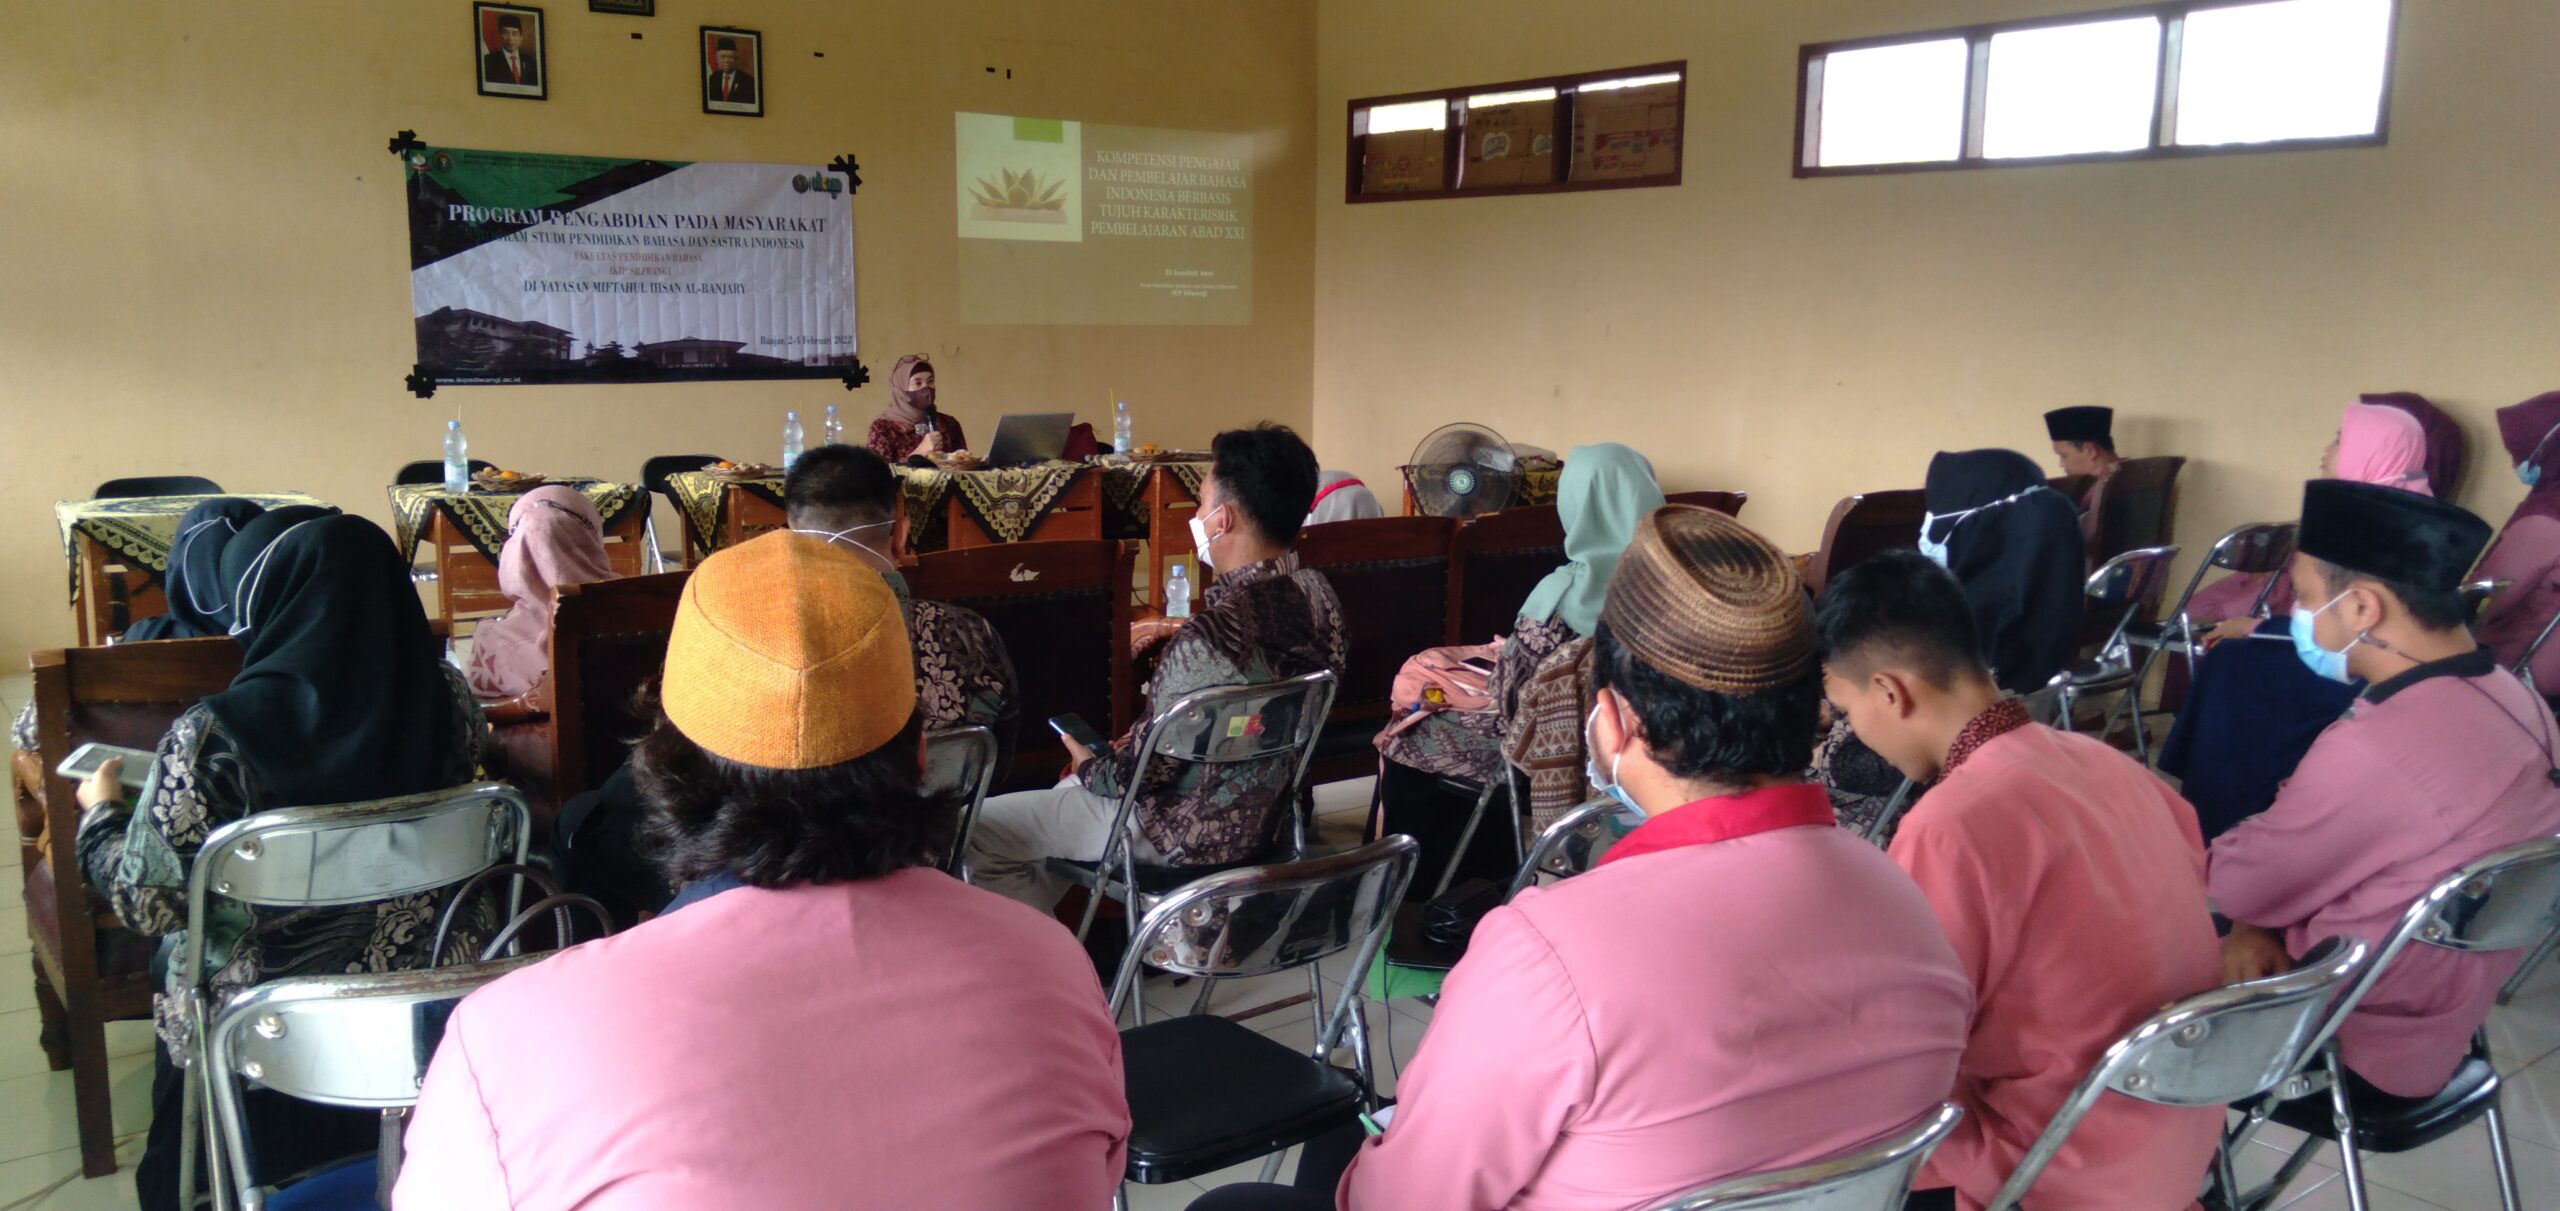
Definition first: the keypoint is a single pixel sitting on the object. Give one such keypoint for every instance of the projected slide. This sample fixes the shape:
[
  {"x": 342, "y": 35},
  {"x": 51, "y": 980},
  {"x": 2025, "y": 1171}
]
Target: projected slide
[{"x": 1075, "y": 223}]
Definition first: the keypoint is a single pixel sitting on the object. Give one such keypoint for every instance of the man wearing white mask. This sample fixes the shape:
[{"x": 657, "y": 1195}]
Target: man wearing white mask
[
  {"x": 2444, "y": 758},
  {"x": 1263, "y": 619},
  {"x": 964, "y": 677}
]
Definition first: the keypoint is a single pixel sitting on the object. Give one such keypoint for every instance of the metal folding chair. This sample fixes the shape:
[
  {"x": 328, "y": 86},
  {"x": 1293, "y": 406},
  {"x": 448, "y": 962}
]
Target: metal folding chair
[
  {"x": 2523, "y": 669},
  {"x": 360, "y": 1041},
  {"x": 1880, "y": 830},
  {"x": 959, "y": 764},
  {"x": 1211, "y": 732},
  {"x": 1575, "y": 842},
  {"x": 2257, "y": 548},
  {"x": 329, "y": 856},
  {"x": 2126, "y": 582},
  {"x": 1187, "y": 1076},
  {"x": 2504, "y": 901},
  {"x": 2211, "y": 1049},
  {"x": 1874, "y": 1176}
]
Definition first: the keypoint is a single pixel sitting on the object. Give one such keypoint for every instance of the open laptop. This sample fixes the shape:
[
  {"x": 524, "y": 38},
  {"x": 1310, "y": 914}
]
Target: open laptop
[{"x": 1025, "y": 438}]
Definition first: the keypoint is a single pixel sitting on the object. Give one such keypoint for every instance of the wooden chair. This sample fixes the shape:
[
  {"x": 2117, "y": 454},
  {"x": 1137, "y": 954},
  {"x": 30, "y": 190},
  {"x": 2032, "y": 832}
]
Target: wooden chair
[
  {"x": 1869, "y": 523},
  {"x": 1063, "y": 612},
  {"x": 1393, "y": 575},
  {"x": 2139, "y": 508},
  {"x": 608, "y": 641},
  {"x": 1728, "y": 503},
  {"x": 89, "y": 970},
  {"x": 1497, "y": 560}
]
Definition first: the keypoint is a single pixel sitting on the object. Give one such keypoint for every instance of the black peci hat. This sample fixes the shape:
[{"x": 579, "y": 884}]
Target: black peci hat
[
  {"x": 2087, "y": 423},
  {"x": 510, "y": 21},
  {"x": 730, "y": 44},
  {"x": 2384, "y": 532}
]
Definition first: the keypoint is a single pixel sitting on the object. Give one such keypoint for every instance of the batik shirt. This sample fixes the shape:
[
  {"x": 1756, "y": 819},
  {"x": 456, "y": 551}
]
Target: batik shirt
[
  {"x": 964, "y": 677},
  {"x": 1258, "y": 624},
  {"x": 141, "y": 857},
  {"x": 1468, "y": 744}
]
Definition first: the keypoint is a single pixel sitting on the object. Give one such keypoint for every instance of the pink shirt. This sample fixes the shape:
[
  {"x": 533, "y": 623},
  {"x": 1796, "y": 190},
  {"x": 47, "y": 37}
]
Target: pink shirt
[
  {"x": 2418, "y": 779},
  {"x": 2528, "y": 553},
  {"x": 1671, "y": 1019},
  {"x": 907, "y": 1041},
  {"x": 2071, "y": 881}
]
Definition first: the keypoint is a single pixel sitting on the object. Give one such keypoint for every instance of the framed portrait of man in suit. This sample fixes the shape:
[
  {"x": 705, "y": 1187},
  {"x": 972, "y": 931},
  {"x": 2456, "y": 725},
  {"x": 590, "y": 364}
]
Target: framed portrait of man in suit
[
  {"x": 506, "y": 43},
  {"x": 732, "y": 71}
]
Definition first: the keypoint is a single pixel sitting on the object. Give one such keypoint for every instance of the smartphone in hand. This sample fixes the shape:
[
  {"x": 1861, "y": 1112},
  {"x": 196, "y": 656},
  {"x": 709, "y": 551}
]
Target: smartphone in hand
[
  {"x": 86, "y": 759},
  {"x": 1073, "y": 727}
]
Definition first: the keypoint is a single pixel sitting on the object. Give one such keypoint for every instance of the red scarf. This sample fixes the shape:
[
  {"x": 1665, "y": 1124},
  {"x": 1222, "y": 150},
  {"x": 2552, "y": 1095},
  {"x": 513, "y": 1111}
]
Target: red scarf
[{"x": 1726, "y": 818}]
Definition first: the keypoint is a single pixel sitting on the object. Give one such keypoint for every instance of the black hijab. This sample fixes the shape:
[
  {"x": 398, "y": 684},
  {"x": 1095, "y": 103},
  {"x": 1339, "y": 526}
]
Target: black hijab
[
  {"x": 340, "y": 696},
  {"x": 199, "y": 599},
  {"x": 2020, "y": 560}
]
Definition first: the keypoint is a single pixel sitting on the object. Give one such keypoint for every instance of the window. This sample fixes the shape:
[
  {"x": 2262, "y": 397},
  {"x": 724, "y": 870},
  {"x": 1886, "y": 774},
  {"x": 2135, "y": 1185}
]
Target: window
[
  {"x": 2179, "y": 78},
  {"x": 1595, "y": 130}
]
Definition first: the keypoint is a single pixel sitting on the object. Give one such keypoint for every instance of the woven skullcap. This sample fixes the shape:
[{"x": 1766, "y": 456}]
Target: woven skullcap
[
  {"x": 788, "y": 652},
  {"x": 1710, "y": 603}
]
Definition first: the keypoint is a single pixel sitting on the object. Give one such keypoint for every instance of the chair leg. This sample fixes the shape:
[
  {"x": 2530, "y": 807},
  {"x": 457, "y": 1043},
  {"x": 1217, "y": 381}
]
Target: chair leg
[
  {"x": 1271, "y": 1167},
  {"x": 2516, "y": 982},
  {"x": 191, "y": 1134},
  {"x": 2496, "y": 1121},
  {"x": 2342, "y": 1116},
  {"x": 53, "y": 1022},
  {"x": 1200, "y": 1004}
]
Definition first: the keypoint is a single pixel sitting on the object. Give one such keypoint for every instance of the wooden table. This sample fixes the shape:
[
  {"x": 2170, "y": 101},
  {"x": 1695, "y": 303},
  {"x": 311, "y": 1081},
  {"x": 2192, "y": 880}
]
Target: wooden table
[
  {"x": 720, "y": 512},
  {"x": 465, "y": 540},
  {"x": 118, "y": 549}
]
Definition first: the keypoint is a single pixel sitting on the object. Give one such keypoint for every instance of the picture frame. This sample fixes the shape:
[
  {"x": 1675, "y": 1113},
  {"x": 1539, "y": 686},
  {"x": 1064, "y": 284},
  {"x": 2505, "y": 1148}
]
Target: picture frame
[
  {"x": 734, "y": 86},
  {"x": 624, "y": 8},
  {"x": 507, "y": 54}
]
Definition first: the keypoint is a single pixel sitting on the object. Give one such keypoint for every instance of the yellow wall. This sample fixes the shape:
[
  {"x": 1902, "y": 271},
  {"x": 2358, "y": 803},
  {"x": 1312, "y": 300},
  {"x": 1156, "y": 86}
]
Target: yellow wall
[
  {"x": 205, "y": 242},
  {"x": 1803, "y": 340}
]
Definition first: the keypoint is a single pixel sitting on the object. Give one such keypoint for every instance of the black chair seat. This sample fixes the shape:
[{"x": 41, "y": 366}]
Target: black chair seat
[
  {"x": 2088, "y": 673},
  {"x": 158, "y": 485},
  {"x": 1206, "y": 1093},
  {"x": 1408, "y": 947},
  {"x": 2389, "y": 1123}
]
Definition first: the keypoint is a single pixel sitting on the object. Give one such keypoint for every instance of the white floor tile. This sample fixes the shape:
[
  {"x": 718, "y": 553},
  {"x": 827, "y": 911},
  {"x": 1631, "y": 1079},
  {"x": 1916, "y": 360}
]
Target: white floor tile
[
  {"x": 13, "y": 929},
  {"x": 36, "y": 1111},
  {"x": 1171, "y": 1196},
  {"x": 1348, "y": 795},
  {"x": 57, "y": 1176},
  {"x": 2524, "y": 1033},
  {"x": 2454, "y": 1171},
  {"x": 2531, "y": 1100},
  {"x": 2331, "y": 1195},
  {"x": 17, "y": 987}
]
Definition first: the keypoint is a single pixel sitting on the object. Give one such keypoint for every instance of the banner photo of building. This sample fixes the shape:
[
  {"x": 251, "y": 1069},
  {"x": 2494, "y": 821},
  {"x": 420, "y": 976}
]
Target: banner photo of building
[{"x": 529, "y": 268}]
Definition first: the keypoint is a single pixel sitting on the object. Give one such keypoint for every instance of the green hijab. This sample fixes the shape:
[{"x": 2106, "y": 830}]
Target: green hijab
[{"x": 1605, "y": 490}]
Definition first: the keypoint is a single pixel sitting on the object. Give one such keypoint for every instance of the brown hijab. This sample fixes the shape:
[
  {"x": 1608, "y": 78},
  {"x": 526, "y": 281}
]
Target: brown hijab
[{"x": 904, "y": 407}]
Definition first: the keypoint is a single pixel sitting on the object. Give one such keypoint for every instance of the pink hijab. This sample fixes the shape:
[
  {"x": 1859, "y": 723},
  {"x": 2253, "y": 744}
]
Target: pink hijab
[
  {"x": 2383, "y": 445},
  {"x": 554, "y": 538}
]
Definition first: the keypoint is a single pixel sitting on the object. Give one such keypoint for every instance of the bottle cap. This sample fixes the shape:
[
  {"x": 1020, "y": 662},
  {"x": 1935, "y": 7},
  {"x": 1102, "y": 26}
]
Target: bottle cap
[
  {"x": 790, "y": 416},
  {"x": 453, "y": 424}
]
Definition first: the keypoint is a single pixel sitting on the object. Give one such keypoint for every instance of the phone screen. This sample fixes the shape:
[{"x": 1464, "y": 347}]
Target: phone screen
[{"x": 1075, "y": 728}]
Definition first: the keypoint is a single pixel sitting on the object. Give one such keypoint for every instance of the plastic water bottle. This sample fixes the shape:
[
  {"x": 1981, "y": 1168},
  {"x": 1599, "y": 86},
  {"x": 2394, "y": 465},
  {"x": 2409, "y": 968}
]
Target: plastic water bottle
[
  {"x": 791, "y": 439},
  {"x": 1177, "y": 593},
  {"x": 831, "y": 430},
  {"x": 457, "y": 458},
  {"x": 1120, "y": 427}
]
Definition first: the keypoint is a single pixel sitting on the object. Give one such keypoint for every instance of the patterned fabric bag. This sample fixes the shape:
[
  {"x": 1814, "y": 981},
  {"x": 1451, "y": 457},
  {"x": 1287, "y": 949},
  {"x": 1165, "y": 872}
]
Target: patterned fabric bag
[{"x": 1442, "y": 679}]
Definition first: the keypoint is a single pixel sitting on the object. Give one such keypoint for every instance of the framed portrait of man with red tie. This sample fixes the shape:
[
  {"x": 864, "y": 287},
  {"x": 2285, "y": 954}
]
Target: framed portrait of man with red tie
[
  {"x": 732, "y": 71},
  {"x": 507, "y": 38}
]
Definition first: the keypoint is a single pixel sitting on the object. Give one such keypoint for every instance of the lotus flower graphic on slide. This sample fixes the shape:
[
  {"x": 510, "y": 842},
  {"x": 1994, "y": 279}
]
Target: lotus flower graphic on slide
[{"x": 1023, "y": 198}]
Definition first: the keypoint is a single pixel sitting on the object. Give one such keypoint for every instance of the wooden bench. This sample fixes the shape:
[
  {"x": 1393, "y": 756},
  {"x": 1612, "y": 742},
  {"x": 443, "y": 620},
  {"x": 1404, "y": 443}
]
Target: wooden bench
[
  {"x": 1063, "y": 611},
  {"x": 608, "y": 643}
]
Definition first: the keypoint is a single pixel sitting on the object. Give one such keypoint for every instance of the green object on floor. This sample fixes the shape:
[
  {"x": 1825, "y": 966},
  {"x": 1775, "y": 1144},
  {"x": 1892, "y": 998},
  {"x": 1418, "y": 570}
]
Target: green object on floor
[{"x": 1388, "y": 981}]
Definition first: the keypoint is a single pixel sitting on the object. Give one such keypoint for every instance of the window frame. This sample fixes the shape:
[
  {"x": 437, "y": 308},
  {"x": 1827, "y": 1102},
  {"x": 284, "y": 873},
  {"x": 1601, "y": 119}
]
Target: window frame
[
  {"x": 1453, "y": 136},
  {"x": 2172, "y": 15}
]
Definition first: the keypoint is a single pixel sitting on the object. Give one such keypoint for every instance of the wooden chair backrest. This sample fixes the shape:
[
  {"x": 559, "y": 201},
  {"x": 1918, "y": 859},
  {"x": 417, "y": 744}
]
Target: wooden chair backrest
[
  {"x": 1728, "y": 503},
  {"x": 608, "y": 641},
  {"x": 1393, "y": 577},
  {"x": 126, "y": 695},
  {"x": 2138, "y": 508},
  {"x": 1869, "y": 523},
  {"x": 1063, "y": 610},
  {"x": 1498, "y": 559}
]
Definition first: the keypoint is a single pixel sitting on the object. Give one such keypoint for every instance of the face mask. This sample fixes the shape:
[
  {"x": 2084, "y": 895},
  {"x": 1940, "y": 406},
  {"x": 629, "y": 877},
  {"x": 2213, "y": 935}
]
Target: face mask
[
  {"x": 2530, "y": 470},
  {"x": 839, "y": 536},
  {"x": 1591, "y": 767},
  {"x": 2332, "y": 665},
  {"x": 1200, "y": 540},
  {"x": 922, "y": 397}
]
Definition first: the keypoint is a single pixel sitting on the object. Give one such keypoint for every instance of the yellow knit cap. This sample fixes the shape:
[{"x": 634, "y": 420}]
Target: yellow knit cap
[{"x": 788, "y": 653}]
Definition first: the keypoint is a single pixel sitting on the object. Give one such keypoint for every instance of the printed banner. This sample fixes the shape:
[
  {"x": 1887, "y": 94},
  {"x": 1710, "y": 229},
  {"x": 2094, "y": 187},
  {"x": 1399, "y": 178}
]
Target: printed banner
[{"x": 532, "y": 268}]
